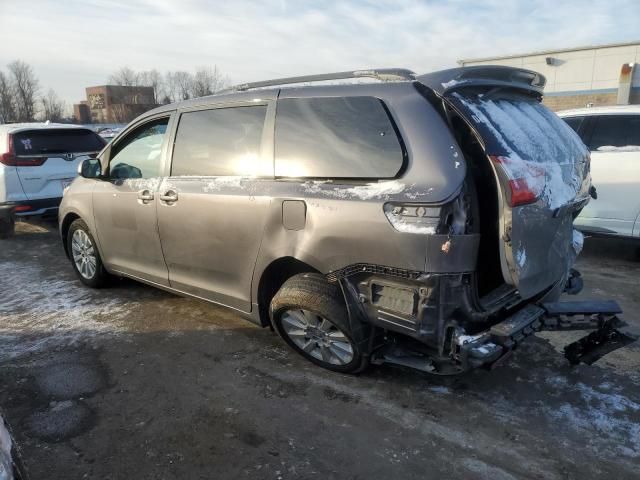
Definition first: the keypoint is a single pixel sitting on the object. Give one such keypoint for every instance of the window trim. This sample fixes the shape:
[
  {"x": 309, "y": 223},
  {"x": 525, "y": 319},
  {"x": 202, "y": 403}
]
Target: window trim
[
  {"x": 347, "y": 180},
  {"x": 266, "y": 142}
]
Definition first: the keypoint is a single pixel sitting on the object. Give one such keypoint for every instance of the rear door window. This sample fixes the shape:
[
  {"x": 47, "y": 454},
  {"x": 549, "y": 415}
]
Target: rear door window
[
  {"x": 56, "y": 141},
  {"x": 615, "y": 133},
  {"x": 219, "y": 142},
  {"x": 336, "y": 137}
]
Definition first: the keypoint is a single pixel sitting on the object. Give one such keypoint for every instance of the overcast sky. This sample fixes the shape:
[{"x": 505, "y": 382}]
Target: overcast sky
[{"x": 72, "y": 44}]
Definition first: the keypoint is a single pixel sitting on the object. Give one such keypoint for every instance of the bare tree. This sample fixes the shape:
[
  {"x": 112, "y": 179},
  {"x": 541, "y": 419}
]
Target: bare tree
[
  {"x": 184, "y": 85},
  {"x": 208, "y": 81},
  {"x": 25, "y": 86},
  {"x": 125, "y": 76},
  {"x": 152, "y": 78},
  {"x": 53, "y": 107},
  {"x": 7, "y": 100}
]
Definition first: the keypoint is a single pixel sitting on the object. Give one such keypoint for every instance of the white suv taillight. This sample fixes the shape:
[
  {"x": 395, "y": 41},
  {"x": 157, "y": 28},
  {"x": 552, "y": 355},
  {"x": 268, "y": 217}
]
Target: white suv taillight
[
  {"x": 10, "y": 159},
  {"x": 412, "y": 218}
]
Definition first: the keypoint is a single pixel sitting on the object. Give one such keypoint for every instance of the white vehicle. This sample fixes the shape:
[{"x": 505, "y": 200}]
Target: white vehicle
[
  {"x": 37, "y": 161},
  {"x": 613, "y": 137}
]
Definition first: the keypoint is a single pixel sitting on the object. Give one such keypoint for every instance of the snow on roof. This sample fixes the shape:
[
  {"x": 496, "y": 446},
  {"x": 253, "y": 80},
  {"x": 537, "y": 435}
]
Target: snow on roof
[
  {"x": 608, "y": 110},
  {"x": 12, "y": 127}
]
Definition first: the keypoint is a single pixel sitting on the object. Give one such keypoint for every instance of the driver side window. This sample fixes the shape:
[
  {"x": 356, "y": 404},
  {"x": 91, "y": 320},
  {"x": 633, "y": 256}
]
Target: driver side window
[{"x": 138, "y": 154}]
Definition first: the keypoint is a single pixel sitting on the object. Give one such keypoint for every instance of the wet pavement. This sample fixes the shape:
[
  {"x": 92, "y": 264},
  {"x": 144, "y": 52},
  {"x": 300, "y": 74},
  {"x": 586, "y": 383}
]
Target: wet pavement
[{"x": 133, "y": 382}]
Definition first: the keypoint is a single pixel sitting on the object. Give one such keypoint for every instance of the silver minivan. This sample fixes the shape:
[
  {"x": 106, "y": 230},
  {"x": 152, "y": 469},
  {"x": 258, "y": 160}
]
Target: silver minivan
[{"x": 424, "y": 220}]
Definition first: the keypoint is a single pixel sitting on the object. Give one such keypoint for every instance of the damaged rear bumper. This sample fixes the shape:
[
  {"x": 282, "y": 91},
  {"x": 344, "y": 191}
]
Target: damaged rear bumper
[
  {"x": 443, "y": 332},
  {"x": 493, "y": 346}
]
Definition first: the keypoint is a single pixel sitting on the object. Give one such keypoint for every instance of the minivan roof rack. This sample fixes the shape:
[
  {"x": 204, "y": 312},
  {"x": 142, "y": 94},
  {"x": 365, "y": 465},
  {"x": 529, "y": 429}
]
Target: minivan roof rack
[{"x": 384, "y": 74}]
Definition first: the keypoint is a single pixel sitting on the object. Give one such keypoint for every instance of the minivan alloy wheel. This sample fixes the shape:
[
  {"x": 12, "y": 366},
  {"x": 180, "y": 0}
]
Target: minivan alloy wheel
[
  {"x": 317, "y": 336},
  {"x": 84, "y": 255}
]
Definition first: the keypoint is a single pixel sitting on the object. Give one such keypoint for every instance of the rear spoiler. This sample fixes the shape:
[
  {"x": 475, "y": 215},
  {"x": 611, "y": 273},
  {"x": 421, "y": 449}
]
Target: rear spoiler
[{"x": 445, "y": 81}]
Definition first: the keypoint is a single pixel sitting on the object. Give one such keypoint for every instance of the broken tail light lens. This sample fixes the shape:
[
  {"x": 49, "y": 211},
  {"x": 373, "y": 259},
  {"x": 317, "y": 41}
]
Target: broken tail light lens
[
  {"x": 412, "y": 218},
  {"x": 526, "y": 180}
]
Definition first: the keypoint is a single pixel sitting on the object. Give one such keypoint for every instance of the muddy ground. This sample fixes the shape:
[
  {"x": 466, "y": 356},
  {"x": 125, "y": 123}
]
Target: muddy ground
[{"x": 132, "y": 382}]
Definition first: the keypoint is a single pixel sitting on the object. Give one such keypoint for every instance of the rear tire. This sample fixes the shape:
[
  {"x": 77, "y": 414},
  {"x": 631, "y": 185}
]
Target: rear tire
[
  {"x": 310, "y": 315},
  {"x": 85, "y": 257},
  {"x": 7, "y": 227}
]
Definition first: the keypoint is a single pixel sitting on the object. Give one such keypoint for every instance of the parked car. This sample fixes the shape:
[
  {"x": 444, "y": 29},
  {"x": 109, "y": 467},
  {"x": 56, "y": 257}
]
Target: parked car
[
  {"x": 108, "y": 132},
  {"x": 426, "y": 221},
  {"x": 37, "y": 161},
  {"x": 613, "y": 137}
]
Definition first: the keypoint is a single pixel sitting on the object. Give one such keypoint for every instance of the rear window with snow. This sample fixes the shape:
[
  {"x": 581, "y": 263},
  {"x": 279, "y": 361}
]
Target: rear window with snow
[
  {"x": 336, "y": 137},
  {"x": 615, "y": 133},
  {"x": 56, "y": 141},
  {"x": 534, "y": 145},
  {"x": 519, "y": 126}
]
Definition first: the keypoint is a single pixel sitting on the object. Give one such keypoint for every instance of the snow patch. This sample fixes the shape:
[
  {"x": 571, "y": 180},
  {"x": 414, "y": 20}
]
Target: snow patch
[
  {"x": 51, "y": 310},
  {"x": 450, "y": 84},
  {"x": 151, "y": 184},
  {"x": 219, "y": 183},
  {"x": 521, "y": 257},
  {"x": 405, "y": 227},
  {"x": 608, "y": 413},
  {"x": 626, "y": 148},
  {"x": 369, "y": 191},
  {"x": 578, "y": 241}
]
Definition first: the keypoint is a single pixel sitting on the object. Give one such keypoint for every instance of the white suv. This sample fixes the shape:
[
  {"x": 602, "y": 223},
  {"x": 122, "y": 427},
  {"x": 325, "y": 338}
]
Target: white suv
[
  {"x": 613, "y": 137},
  {"x": 37, "y": 160}
]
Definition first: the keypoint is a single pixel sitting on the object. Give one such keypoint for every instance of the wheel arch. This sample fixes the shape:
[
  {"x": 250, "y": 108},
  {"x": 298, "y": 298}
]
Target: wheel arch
[
  {"x": 273, "y": 277},
  {"x": 64, "y": 229}
]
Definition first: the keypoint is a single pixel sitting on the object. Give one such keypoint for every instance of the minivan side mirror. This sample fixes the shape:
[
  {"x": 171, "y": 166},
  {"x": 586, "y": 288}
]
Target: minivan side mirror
[{"x": 90, "y": 168}]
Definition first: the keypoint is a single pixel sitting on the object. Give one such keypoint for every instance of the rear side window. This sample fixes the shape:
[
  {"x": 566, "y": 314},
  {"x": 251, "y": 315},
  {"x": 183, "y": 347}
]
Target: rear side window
[
  {"x": 613, "y": 132},
  {"x": 223, "y": 141},
  {"x": 52, "y": 141},
  {"x": 336, "y": 137},
  {"x": 574, "y": 122}
]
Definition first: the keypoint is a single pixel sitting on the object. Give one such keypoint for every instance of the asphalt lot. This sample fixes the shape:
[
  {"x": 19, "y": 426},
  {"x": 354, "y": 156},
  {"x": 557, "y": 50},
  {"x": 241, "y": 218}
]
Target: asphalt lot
[{"x": 131, "y": 382}]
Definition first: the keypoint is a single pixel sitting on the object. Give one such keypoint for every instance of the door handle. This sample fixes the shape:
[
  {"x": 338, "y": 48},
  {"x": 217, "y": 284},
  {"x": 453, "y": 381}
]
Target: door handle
[
  {"x": 145, "y": 196},
  {"x": 170, "y": 196}
]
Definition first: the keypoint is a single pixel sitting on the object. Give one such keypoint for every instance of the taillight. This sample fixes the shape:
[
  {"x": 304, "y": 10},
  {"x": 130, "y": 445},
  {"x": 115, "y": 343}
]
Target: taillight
[
  {"x": 12, "y": 160},
  {"x": 526, "y": 180}
]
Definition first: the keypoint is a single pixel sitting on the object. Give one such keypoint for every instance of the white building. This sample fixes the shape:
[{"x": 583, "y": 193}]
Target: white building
[{"x": 583, "y": 76}]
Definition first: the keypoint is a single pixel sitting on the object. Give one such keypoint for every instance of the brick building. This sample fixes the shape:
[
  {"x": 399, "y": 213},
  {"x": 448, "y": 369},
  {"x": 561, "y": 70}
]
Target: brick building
[
  {"x": 114, "y": 104},
  {"x": 583, "y": 76}
]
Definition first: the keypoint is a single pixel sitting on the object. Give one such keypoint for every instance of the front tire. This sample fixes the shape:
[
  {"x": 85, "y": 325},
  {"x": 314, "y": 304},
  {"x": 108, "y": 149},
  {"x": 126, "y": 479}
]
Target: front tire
[
  {"x": 310, "y": 315},
  {"x": 85, "y": 257}
]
